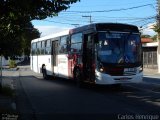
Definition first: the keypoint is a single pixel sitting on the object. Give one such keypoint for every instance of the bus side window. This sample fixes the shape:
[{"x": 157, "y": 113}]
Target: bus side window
[
  {"x": 76, "y": 43},
  {"x": 76, "y": 48},
  {"x": 63, "y": 48},
  {"x": 38, "y": 48},
  {"x": 34, "y": 48},
  {"x": 68, "y": 47},
  {"x": 43, "y": 48},
  {"x": 48, "y": 47}
]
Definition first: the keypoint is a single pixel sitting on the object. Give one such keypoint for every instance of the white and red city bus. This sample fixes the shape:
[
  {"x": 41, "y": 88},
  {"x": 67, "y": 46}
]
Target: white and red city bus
[{"x": 101, "y": 53}]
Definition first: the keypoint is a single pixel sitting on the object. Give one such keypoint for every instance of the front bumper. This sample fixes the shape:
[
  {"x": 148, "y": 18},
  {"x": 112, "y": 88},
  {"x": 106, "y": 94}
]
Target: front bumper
[{"x": 103, "y": 79}]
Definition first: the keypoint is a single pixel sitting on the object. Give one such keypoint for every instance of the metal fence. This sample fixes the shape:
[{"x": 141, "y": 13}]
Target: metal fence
[{"x": 150, "y": 59}]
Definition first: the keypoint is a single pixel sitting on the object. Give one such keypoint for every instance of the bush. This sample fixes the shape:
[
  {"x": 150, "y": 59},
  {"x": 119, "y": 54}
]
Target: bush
[{"x": 12, "y": 64}]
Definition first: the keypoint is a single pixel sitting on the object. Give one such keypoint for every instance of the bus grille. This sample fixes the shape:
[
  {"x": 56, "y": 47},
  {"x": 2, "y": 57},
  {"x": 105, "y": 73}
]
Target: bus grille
[{"x": 118, "y": 72}]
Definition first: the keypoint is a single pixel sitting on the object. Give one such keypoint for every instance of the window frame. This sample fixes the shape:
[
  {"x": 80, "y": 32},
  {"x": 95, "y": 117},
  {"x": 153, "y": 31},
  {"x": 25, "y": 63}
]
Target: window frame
[
  {"x": 75, "y": 34},
  {"x": 48, "y": 47},
  {"x": 64, "y": 42},
  {"x": 76, "y": 42}
]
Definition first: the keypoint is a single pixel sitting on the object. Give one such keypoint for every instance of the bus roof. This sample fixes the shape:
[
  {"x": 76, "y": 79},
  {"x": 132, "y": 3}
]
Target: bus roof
[
  {"x": 66, "y": 32},
  {"x": 106, "y": 26},
  {"x": 93, "y": 27}
]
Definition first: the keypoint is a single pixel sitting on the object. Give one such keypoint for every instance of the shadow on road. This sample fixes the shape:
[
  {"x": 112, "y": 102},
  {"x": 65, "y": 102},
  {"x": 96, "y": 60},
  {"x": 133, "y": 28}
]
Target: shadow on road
[
  {"x": 65, "y": 92},
  {"x": 92, "y": 87}
]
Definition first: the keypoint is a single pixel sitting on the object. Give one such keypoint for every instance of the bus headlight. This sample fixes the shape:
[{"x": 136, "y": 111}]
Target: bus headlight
[
  {"x": 140, "y": 69},
  {"x": 101, "y": 69}
]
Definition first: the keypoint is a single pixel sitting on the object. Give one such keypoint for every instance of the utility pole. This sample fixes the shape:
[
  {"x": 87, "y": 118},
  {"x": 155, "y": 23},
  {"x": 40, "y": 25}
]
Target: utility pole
[{"x": 88, "y": 16}]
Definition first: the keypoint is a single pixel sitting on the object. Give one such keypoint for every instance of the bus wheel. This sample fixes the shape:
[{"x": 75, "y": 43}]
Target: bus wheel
[
  {"x": 44, "y": 72},
  {"x": 77, "y": 77}
]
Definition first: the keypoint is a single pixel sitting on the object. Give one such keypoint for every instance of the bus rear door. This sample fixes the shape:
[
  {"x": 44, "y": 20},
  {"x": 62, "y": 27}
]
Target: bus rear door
[{"x": 55, "y": 57}]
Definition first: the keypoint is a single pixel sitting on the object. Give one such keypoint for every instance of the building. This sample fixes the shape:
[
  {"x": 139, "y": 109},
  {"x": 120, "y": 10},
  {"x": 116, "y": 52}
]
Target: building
[{"x": 149, "y": 53}]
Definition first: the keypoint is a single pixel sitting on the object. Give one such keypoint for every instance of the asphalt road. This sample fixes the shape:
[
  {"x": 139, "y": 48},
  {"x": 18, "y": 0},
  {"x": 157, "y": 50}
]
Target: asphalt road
[{"x": 55, "y": 99}]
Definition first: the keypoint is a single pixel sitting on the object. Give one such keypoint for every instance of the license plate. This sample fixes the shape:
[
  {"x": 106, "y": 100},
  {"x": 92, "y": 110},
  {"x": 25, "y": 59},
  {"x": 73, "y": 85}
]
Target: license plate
[
  {"x": 129, "y": 69},
  {"x": 124, "y": 78}
]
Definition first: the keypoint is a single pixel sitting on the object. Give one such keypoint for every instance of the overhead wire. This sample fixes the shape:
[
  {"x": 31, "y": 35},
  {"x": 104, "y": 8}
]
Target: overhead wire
[
  {"x": 59, "y": 22},
  {"x": 112, "y": 10},
  {"x": 69, "y": 18},
  {"x": 115, "y": 4}
]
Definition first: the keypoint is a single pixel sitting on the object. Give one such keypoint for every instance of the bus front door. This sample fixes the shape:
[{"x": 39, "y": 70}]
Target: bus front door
[{"x": 88, "y": 58}]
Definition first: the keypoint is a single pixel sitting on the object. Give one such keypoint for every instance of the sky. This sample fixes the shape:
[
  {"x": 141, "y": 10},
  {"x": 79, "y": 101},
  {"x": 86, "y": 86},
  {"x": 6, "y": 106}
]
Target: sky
[{"x": 141, "y": 13}]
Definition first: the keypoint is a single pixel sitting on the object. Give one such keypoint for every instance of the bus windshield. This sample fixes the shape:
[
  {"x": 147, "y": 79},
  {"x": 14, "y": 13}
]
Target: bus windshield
[{"x": 119, "y": 48}]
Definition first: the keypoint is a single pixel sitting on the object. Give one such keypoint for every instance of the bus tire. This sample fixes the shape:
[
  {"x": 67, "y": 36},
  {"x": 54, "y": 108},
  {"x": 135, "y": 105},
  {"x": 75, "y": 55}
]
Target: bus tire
[
  {"x": 44, "y": 72},
  {"x": 78, "y": 77}
]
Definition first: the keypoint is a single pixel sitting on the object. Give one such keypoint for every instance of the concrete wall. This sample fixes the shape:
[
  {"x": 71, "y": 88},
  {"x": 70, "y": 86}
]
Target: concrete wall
[{"x": 6, "y": 62}]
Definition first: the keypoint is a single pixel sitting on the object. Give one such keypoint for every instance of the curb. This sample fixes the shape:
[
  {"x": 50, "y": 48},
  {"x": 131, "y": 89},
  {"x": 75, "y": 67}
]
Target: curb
[
  {"x": 10, "y": 69},
  {"x": 152, "y": 76}
]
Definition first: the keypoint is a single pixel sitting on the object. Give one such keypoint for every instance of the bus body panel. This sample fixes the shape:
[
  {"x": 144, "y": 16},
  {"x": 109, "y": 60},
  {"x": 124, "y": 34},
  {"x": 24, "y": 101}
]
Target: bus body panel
[
  {"x": 45, "y": 60},
  {"x": 71, "y": 60},
  {"x": 38, "y": 61},
  {"x": 55, "y": 72},
  {"x": 63, "y": 66},
  {"x": 31, "y": 62},
  {"x": 35, "y": 63}
]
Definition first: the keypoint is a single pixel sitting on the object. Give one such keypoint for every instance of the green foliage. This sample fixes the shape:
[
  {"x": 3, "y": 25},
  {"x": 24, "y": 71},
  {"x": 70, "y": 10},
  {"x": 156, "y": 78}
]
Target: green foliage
[
  {"x": 145, "y": 36},
  {"x": 156, "y": 28},
  {"x": 29, "y": 34},
  {"x": 12, "y": 64},
  {"x": 15, "y": 22},
  {"x": 154, "y": 38}
]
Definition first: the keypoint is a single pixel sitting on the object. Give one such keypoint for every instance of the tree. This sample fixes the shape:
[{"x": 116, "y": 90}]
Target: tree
[
  {"x": 15, "y": 21},
  {"x": 145, "y": 36},
  {"x": 16, "y": 42},
  {"x": 28, "y": 34},
  {"x": 154, "y": 38}
]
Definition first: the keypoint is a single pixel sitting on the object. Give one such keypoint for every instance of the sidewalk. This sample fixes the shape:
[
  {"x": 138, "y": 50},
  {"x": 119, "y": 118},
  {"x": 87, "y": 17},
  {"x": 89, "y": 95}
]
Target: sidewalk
[
  {"x": 153, "y": 73},
  {"x": 149, "y": 71},
  {"x": 7, "y": 95}
]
